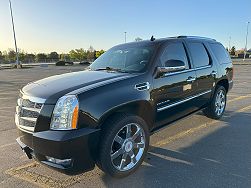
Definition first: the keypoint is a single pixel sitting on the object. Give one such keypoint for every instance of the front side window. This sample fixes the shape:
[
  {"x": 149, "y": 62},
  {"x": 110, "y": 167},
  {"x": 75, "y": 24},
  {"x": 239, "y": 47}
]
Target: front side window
[
  {"x": 199, "y": 54},
  {"x": 174, "y": 51},
  {"x": 124, "y": 58}
]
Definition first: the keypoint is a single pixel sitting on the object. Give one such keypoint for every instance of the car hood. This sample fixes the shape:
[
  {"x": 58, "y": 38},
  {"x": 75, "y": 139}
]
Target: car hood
[{"x": 54, "y": 87}]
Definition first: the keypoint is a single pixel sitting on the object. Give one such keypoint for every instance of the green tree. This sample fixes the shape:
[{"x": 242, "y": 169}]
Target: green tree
[
  {"x": 41, "y": 57},
  {"x": 64, "y": 57},
  {"x": 11, "y": 56},
  {"x": 99, "y": 53},
  {"x": 1, "y": 57},
  {"x": 78, "y": 54},
  {"x": 53, "y": 56},
  {"x": 232, "y": 51},
  {"x": 29, "y": 58}
]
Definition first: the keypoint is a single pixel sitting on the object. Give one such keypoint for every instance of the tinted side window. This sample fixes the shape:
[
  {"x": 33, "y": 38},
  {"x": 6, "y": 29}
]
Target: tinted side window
[
  {"x": 199, "y": 54},
  {"x": 174, "y": 51},
  {"x": 220, "y": 53}
]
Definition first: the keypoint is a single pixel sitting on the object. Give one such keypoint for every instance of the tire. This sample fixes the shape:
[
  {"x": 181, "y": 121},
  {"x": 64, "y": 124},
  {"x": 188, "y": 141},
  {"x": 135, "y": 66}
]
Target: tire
[
  {"x": 215, "y": 110},
  {"x": 122, "y": 151}
]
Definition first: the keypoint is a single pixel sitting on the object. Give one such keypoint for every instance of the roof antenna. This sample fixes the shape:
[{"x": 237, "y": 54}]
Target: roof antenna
[{"x": 152, "y": 38}]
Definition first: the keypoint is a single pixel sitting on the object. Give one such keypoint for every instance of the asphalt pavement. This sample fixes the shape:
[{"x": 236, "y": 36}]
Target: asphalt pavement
[{"x": 194, "y": 152}]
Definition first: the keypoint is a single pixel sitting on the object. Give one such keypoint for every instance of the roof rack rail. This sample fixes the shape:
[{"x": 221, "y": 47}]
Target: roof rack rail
[{"x": 195, "y": 37}]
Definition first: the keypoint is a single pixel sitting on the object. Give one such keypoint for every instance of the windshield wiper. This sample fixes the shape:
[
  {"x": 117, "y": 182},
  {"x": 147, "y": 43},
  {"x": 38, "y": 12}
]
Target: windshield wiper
[{"x": 110, "y": 69}]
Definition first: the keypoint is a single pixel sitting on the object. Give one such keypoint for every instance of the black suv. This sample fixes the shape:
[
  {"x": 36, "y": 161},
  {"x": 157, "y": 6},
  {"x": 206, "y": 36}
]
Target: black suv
[{"x": 104, "y": 115}]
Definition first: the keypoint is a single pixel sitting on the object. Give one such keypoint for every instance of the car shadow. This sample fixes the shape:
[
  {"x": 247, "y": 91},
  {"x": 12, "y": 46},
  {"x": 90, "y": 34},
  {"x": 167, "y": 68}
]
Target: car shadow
[{"x": 219, "y": 159}]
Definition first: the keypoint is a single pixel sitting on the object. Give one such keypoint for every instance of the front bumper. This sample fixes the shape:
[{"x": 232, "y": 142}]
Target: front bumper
[{"x": 77, "y": 146}]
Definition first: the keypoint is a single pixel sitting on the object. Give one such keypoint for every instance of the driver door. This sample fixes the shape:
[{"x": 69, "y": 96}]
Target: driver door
[{"x": 172, "y": 90}]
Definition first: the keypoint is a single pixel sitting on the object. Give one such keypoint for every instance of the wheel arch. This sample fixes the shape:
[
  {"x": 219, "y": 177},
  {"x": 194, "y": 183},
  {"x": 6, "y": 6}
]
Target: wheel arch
[
  {"x": 142, "y": 109},
  {"x": 224, "y": 83}
]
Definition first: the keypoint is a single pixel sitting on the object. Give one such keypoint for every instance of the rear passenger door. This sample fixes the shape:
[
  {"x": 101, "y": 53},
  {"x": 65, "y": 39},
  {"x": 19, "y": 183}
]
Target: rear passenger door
[{"x": 206, "y": 71}]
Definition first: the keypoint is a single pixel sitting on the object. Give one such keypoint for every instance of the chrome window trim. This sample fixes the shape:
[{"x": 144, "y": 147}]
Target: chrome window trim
[
  {"x": 203, "y": 67},
  {"x": 182, "y": 101},
  {"x": 187, "y": 70}
]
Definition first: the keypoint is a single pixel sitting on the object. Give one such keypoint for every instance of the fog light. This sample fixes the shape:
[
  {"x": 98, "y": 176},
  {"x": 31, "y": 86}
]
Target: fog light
[{"x": 63, "y": 162}]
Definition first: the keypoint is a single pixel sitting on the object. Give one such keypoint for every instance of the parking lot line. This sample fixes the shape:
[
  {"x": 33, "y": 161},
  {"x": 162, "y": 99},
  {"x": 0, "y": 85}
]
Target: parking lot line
[
  {"x": 195, "y": 129},
  {"x": 6, "y": 145},
  {"x": 239, "y": 98}
]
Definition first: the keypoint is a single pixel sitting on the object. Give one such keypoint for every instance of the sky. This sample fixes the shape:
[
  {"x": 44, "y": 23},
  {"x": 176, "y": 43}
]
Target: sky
[{"x": 62, "y": 25}]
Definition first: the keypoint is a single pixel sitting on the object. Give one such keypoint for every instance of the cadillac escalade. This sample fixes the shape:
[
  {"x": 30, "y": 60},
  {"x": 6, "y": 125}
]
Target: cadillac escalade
[{"x": 105, "y": 114}]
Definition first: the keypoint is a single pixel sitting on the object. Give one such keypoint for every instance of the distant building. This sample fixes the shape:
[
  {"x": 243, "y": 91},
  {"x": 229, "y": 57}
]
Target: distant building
[{"x": 240, "y": 53}]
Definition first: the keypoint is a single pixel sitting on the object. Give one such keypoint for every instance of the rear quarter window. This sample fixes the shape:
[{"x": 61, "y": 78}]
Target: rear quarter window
[
  {"x": 199, "y": 54},
  {"x": 220, "y": 53}
]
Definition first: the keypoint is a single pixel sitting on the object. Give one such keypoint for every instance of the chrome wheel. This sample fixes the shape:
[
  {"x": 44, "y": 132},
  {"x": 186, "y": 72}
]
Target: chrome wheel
[
  {"x": 220, "y": 102},
  {"x": 128, "y": 147}
]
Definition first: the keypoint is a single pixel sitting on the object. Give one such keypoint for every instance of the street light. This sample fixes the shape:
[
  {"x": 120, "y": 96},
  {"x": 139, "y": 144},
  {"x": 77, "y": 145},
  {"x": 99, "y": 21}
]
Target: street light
[
  {"x": 229, "y": 44},
  {"x": 125, "y": 36},
  {"x": 245, "y": 49},
  {"x": 14, "y": 35}
]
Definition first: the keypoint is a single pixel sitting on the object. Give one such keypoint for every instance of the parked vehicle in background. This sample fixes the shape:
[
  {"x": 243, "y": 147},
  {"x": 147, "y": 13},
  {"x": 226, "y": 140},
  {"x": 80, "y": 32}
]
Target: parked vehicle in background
[
  {"x": 105, "y": 115},
  {"x": 84, "y": 63},
  {"x": 64, "y": 63}
]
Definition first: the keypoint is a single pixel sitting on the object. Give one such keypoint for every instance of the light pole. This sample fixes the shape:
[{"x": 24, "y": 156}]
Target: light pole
[
  {"x": 229, "y": 44},
  {"x": 14, "y": 35},
  {"x": 245, "y": 49},
  {"x": 125, "y": 36}
]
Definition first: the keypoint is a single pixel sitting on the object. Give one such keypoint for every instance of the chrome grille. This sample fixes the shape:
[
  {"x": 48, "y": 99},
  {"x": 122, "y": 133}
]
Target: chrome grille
[{"x": 27, "y": 111}]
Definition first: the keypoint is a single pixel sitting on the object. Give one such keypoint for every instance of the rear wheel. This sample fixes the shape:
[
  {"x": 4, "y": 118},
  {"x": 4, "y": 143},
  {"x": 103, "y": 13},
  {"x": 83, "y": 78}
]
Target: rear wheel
[
  {"x": 124, "y": 144},
  {"x": 217, "y": 105}
]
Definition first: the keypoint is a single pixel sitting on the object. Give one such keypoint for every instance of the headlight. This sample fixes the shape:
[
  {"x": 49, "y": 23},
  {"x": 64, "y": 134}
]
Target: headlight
[{"x": 65, "y": 114}]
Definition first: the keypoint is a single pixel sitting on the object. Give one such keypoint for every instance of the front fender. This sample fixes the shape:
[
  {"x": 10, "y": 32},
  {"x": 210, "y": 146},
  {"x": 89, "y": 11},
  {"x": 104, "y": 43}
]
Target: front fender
[{"x": 98, "y": 104}]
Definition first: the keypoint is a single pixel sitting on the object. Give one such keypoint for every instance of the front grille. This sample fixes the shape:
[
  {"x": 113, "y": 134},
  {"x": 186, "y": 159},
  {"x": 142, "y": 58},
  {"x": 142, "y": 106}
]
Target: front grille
[{"x": 27, "y": 112}]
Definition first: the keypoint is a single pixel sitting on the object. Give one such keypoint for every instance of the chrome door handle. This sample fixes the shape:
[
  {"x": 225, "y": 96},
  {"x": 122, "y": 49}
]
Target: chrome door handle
[
  {"x": 191, "y": 79},
  {"x": 214, "y": 73}
]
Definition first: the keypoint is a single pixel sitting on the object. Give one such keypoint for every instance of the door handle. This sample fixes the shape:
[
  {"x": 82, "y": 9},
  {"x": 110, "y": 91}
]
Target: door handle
[
  {"x": 214, "y": 73},
  {"x": 191, "y": 79}
]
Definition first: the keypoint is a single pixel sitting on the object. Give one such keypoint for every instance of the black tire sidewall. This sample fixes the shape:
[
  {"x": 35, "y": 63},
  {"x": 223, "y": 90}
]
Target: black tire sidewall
[{"x": 108, "y": 135}]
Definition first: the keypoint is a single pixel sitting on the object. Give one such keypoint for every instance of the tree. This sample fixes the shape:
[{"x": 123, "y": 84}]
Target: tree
[
  {"x": 138, "y": 39},
  {"x": 29, "y": 58},
  {"x": 99, "y": 53},
  {"x": 41, "y": 57},
  {"x": 64, "y": 57},
  {"x": 1, "y": 57},
  {"x": 53, "y": 56},
  {"x": 78, "y": 54},
  {"x": 232, "y": 51},
  {"x": 11, "y": 55}
]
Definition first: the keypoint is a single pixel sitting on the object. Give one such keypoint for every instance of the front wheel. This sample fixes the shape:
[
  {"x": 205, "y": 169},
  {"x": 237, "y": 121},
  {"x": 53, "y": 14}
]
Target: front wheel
[
  {"x": 217, "y": 105},
  {"x": 124, "y": 144}
]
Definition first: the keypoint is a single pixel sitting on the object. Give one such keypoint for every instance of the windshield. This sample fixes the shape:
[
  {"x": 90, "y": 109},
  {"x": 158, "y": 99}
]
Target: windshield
[{"x": 124, "y": 59}]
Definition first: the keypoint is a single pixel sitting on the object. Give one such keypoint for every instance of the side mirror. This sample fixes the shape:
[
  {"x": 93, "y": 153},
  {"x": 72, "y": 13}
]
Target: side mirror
[{"x": 171, "y": 66}]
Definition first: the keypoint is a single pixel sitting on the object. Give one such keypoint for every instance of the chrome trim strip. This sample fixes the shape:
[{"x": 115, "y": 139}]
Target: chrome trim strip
[
  {"x": 26, "y": 129},
  {"x": 29, "y": 119},
  {"x": 32, "y": 109},
  {"x": 23, "y": 128},
  {"x": 163, "y": 102},
  {"x": 204, "y": 67},
  {"x": 32, "y": 99},
  {"x": 188, "y": 70},
  {"x": 182, "y": 101}
]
